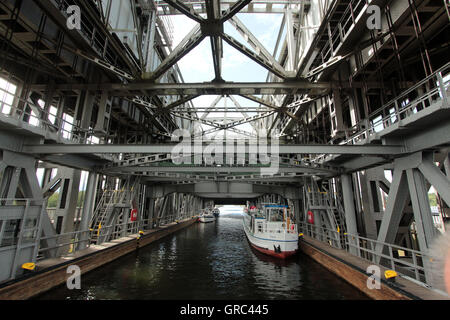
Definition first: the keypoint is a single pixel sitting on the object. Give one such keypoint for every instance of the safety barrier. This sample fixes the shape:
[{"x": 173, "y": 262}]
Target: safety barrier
[
  {"x": 409, "y": 263},
  {"x": 429, "y": 91}
]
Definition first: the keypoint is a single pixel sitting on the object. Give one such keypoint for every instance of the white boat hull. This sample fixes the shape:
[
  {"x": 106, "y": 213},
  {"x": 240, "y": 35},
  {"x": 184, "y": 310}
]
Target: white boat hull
[
  {"x": 207, "y": 219},
  {"x": 275, "y": 242}
]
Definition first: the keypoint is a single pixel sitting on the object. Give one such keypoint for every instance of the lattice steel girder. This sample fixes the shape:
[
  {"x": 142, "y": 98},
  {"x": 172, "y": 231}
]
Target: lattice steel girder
[
  {"x": 207, "y": 169},
  {"x": 203, "y": 133},
  {"x": 234, "y": 9},
  {"x": 168, "y": 148},
  {"x": 195, "y": 179},
  {"x": 249, "y": 119},
  {"x": 260, "y": 101},
  {"x": 213, "y": 130},
  {"x": 205, "y": 88},
  {"x": 263, "y": 102},
  {"x": 192, "y": 39},
  {"x": 184, "y": 9},
  {"x": 261, "y": 60},
  {"x": 255, "y": 44},
  {"x": 183, "y": 100},
  {"x": 245, "y": 133},
  {"x": 212, "y": 106},
  {"x": 204, "y": 121},
  {"x": 263, "y": 6},
  {"x": 285, "y": 176},
  {"x": 242, "y": 111}
]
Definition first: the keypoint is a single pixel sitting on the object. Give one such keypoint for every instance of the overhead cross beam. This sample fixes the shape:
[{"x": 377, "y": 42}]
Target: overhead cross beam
[
  {"x": 202, "y": 88},
  {"x": 167, "y": 148}
]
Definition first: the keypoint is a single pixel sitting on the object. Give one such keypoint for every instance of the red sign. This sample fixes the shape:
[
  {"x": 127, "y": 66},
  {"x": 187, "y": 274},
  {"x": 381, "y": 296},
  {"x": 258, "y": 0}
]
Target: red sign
[
  {"x": 134, "y": 214},
  {"x": 310, "y": 217}
]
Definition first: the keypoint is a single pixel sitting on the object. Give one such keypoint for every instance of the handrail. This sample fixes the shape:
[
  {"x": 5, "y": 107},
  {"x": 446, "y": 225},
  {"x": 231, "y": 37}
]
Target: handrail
[
  {"x": 400, "y": 112},
  {"x": 414, "y": 87},
  {"x": 365, "y": 248}
]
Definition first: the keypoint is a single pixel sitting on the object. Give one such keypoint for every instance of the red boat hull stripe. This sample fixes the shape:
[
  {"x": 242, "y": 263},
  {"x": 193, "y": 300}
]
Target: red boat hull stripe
[{"x": 283, "y": 254}]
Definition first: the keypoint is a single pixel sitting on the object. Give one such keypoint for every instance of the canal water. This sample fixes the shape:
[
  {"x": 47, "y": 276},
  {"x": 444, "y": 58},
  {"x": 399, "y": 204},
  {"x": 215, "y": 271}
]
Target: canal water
[{"x": 208, "y": 261}]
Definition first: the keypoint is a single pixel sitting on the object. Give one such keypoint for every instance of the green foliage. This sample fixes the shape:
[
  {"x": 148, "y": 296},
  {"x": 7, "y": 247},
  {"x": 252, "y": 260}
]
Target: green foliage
[
  {"x": 53, "y": 200},
  {"x": 80, "y": 198},
  {"x": 433, "y": 199}
]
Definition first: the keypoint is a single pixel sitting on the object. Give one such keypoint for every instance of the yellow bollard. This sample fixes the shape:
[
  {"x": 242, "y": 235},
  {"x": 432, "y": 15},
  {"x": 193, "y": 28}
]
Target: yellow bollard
[{"x": 390, "y": 275}]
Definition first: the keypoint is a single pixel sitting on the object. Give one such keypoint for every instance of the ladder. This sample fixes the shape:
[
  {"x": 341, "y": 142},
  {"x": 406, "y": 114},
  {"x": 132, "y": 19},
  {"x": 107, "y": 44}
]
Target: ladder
[
  {"x": 105, "y": 214},
  {"x": 320, "y": 200}
]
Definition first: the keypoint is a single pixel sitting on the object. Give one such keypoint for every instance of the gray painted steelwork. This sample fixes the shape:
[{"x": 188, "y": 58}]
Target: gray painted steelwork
[{"x": 361, "y": 116}]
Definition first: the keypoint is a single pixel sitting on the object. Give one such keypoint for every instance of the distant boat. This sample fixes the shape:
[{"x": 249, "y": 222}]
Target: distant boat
[
  {"x": 271, "y": 230},
  {"x": 207, "y": 216},
  {"x": 216, "y": 212}
]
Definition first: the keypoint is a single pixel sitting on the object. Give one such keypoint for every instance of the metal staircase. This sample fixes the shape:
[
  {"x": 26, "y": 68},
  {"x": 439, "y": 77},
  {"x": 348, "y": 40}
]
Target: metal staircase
[
  {"x": 110, "y": 215},
  {"x": 329, "y": 212}
]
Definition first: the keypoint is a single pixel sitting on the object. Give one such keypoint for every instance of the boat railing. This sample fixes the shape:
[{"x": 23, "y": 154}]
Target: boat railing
[{"x": 280, "y": 227}]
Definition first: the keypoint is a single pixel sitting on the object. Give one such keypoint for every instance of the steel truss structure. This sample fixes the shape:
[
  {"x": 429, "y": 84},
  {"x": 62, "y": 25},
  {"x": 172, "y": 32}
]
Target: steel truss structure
[{"x": 351, "y": 123}]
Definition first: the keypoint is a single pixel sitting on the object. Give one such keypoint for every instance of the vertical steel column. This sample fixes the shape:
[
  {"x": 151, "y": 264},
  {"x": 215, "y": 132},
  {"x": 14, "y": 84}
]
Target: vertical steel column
[
  {"x": 426, "y": 232},
  {"x": 350, "y": 214},
  {"x": 67, "y": 204},
  {"x": 88, "y": 207},
  {"x": 104, "y": 113},
  {"x": 337, "y": 121}
]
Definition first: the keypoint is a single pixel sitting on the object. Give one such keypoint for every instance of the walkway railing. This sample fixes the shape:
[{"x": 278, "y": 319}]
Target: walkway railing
[
  {"x": 407, "y": 262},
  {"x": 336, "y": 36},
  {"x": 410, "y": 102},
  {"x": 20, "y": 232},
  {"x": 426, "y": 93},
  {"x": 61, "y": 128},
  {"x": 65, "y": 243}
]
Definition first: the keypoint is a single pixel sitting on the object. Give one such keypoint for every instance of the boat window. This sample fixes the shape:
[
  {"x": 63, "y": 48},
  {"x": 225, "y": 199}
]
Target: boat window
[{"x": 276, "y": 214}]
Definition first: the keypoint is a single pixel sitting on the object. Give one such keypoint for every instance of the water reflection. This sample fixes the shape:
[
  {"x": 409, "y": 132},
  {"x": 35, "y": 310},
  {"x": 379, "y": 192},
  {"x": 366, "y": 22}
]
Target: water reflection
[{"x": 208, "y": 261}]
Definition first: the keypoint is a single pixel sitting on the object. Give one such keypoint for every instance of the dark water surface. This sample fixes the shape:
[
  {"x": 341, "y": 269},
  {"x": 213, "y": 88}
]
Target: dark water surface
[{"x": 208, "y": 261}]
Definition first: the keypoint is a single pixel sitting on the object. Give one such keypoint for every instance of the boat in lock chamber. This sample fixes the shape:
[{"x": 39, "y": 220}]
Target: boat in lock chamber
[
  {"x": 271, "y": 229},
  {"x": 207, "y": 216},
  {"x": 216, "y": 212}
]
